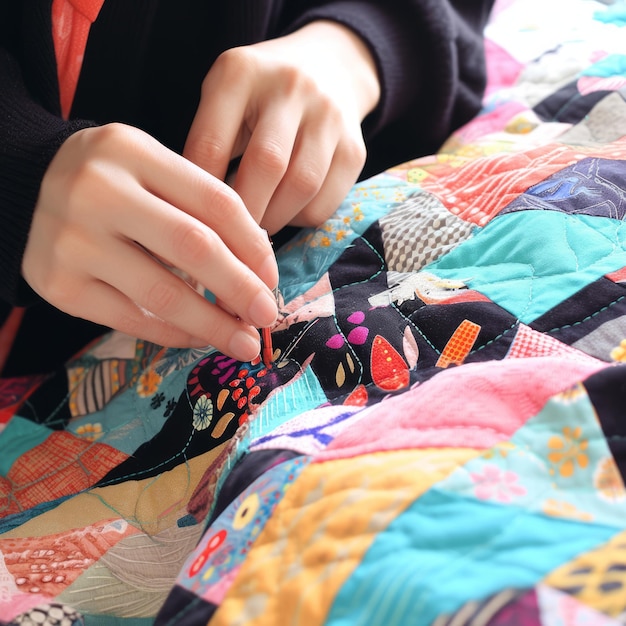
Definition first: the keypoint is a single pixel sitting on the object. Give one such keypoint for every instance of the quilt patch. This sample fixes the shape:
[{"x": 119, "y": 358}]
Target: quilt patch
[{"x": 440, "y": 438}]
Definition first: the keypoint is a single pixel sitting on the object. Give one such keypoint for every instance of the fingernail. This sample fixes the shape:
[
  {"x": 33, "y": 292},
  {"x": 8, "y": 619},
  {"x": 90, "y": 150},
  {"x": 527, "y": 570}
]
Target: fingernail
[
  {"x": 263, "y": 310},
  {"x": 244, "y": 346}
]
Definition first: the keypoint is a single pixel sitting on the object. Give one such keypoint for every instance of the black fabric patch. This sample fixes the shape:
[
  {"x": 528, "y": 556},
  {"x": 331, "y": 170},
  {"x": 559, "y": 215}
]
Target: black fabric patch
[
  {"x": 568, "y": 105},
  {"x": 607, "y": 391}
]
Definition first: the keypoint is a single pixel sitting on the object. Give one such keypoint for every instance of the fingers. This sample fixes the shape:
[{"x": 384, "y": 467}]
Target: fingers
[
  {"x": 116, "y": 206},
  {"x": 198, "y": 251},
  {"x": 216, "y": 131},
  {"x": 111, "y": 308},
  {"x": 220, "y": 224},
  {"x": 343, "y": 172},
  {"x": 301, "y": 151},
  {"x": 173, "y": 313},
  {"x": 293, "y": 163},
  {"x": 268, "y": 155},
  {"x": 322, "y": 167}
]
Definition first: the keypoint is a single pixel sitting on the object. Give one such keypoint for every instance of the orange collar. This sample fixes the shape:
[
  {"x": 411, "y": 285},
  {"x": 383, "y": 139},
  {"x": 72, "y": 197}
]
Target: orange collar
[{"x": 71, "y": 21}]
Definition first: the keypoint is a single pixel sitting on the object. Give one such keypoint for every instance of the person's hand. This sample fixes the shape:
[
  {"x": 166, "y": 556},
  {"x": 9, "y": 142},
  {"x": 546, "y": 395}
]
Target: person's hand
[
  {"x": 116, "y": 212},
  {"x": 293, "y": 108}
]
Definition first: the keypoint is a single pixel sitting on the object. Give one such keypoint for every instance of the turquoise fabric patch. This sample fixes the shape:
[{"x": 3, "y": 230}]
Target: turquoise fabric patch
[
  {"x": 446, "y": 550},
  {"x": 611, "y": 65},
  {"x": 303, "y": 261},
  {"x": 132, "y": 420},
  {"x": 303, "y": 394},
  {"x": 18, "y": 437},
  {"x": 557, "y": 463},
  {"x": 506, "y": 261},
  {"x": 10, "y": 522},
  {"x": 613, "y": 14}
]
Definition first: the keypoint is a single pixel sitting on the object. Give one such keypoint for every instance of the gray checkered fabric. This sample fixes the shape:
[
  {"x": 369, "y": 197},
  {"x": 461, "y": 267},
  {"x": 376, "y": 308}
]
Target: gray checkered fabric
[{"x": 419, "y": 231}]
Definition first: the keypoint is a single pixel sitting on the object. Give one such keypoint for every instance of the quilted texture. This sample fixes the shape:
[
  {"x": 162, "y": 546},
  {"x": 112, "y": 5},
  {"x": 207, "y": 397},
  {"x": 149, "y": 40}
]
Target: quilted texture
[{"x": 440, "y": 438}]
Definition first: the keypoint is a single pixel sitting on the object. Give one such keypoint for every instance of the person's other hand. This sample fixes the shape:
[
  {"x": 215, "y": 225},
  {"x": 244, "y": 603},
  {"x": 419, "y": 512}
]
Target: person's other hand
[
  {"x": 292, "y": 108},
  {"x": 116, "y": 212}
]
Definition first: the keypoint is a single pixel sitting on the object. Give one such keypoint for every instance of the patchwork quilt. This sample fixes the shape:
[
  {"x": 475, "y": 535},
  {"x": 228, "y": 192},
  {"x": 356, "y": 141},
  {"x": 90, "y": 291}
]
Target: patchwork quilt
[{"x": 441, "y": 438}]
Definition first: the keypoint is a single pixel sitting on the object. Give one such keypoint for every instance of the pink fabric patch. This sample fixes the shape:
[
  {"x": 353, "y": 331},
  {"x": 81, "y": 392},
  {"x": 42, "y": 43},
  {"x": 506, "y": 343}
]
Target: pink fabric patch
[
  {"x": 494, "y": 121},
  {"x": 490, "y": 402},
  {"x": 589, "y": 84},
  {"x": 21, "y": 603},
  {"x": 503, "y": 70},
  {"x": 530, "y": 343}
]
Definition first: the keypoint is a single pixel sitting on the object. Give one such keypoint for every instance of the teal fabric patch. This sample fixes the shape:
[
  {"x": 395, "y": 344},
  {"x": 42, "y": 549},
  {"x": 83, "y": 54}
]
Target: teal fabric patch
[
  {"x": 306, "y": 259},
  {"x": 507, "y": 262},
  {"x": 10, "y": 522},
  {"x": 610, "y": 65},
  {"x": 18, "y": 437},
  {"x": 557, "y": 463},
  {"x": 131, "y": 418},
  {"x": 613, "y": 14},
  {"x": 446, "y": 550},
  {"x": 302, "y": 394}
]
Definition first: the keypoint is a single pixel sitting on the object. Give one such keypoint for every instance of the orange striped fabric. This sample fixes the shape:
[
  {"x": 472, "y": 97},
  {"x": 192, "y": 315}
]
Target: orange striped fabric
[{"x": 71, "y": 21}]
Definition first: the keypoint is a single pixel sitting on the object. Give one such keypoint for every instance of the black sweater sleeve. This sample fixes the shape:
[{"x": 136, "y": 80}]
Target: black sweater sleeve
[
  {"x": 429, "y": 55},
  {"x": 430, "y": 59},
  {"x": 30, "y": 136}
]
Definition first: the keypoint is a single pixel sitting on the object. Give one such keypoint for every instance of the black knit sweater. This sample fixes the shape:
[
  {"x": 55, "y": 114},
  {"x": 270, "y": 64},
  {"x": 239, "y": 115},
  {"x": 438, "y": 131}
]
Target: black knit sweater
[{"x": 145, "y": 60}]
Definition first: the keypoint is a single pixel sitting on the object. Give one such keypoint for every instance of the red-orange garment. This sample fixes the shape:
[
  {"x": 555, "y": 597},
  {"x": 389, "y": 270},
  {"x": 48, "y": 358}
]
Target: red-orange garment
[
  {"x": 71, "y": 21},
  {"x": 8, "y": 332}
]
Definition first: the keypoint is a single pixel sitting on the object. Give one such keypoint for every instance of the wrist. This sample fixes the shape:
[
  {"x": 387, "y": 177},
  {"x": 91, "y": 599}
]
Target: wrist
[{"x": 332, "y": 48}]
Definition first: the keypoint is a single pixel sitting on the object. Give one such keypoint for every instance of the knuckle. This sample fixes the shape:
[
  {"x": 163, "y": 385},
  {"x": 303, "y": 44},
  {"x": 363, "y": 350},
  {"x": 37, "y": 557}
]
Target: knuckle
[
  {"x": 89, "y": 176},
  {"x": 59, "y": 290},
  {"x": 353, "y": 153},
  {"x": 234, "y": 64},
  {"x": 295, "y": 81},
  {"x": 206, "y": 148},
  {"x": 192, "y": 246},
  {"x": 259, "y": 246},
  {"x": 55, "y": 282},
  {"x": 269, "y": 157},
  {"x": 222, "y": 205},
  {"x": 328, "y": 107},
  {"x": 163, "y": 298},
  {"x": 133, "y": 325},
  {"x": 113, "y": 134},
  {"x": 306, "y": 181},
  {"x": 84, "y": 182}
]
